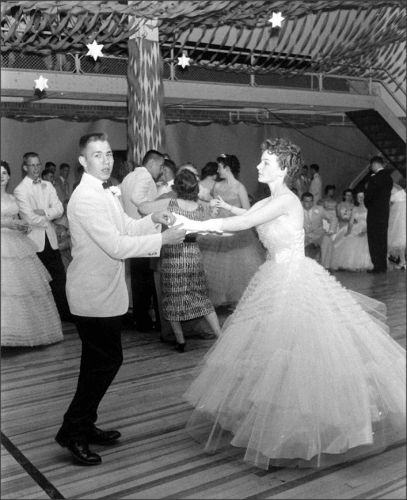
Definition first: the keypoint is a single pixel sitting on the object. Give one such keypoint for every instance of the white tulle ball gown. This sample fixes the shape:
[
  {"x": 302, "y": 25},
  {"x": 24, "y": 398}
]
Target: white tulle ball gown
[
  {"x": 304, "y": 372},
  {"x": 29, "y": 316},
  {"x": 351, "y": 251},
  {"x": 396, "y": 239}
]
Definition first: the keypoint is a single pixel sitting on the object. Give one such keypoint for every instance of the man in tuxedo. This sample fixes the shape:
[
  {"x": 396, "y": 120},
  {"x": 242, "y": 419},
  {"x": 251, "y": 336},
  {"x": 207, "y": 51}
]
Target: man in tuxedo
[
  {"x": 315, "y": 234},
  {"x": 302, "y": 183},
  {"x": 38, "y": 205},
  {"x": 62, "y": 182},
  {"x": 315, "y": 187},
  {"x": 102, "y": 237},
  {"x": 138, "y": 186},
  {"x": 377, "y": 201}
]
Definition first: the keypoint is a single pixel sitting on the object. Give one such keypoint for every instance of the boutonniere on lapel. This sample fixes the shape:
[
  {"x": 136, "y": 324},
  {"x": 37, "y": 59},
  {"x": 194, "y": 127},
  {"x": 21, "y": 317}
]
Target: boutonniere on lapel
[
  {"x": 115, "y": 190},
  {"x": 43, "y": 185}
]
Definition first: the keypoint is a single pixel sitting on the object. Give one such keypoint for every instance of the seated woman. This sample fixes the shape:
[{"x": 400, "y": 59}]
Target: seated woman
[
  {"x": 183, "y": 286},
  {"x": 344, "y": 208},
  {"x": 351, "y": 250}
]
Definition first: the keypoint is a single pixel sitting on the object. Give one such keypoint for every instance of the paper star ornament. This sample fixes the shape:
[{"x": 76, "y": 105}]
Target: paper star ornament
[
  {"x": 183, "y": 61},
  {"x": 41, "y": 83},
  {"x": 95, "y": 50},
  {"x": 276, "y": 19}
]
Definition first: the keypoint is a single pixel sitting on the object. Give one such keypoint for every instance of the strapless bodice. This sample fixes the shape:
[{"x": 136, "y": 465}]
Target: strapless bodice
[
  {"x": 9, "y": 208},
  {"x": 399, "y": 195},
  {"x": 284, "y": 243}
]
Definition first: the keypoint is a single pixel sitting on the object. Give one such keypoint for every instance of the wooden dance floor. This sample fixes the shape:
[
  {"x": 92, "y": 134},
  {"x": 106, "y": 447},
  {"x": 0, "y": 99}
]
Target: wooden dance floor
[{"x": 155, "y": 458}]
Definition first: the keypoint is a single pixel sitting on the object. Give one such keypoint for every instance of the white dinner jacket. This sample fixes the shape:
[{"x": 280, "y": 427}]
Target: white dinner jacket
[
  {"x": 42, "y": 196},
  {"x": 137, "y": 186},
  {"x": 314, "y": 223},
  {"x": 102, "y": 237}
]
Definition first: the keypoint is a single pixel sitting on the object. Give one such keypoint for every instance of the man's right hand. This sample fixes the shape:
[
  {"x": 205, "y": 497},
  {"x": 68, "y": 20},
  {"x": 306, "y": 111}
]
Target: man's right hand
[{"x": 173, "y": 235}]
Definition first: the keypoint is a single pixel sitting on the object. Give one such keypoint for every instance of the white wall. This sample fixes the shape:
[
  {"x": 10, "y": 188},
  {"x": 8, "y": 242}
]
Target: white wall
[{"x": 57, "y": 141}]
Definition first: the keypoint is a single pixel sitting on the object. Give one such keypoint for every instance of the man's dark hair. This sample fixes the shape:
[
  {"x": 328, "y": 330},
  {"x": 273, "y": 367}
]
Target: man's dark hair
[
  {"x": 306, "y": 195},
  {"x": 152, "y": 154},
  {"x": 314, "y": 167},
  {"x": 376, "y": 159},
  {"x": 86, "y": 139}
]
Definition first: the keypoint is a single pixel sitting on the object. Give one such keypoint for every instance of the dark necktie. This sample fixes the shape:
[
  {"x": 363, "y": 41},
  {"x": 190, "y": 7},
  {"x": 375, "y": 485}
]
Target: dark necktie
[{"x": 106, "y": 184}]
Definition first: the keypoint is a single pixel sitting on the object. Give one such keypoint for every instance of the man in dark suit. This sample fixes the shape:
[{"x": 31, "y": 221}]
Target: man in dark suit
[{"x": 377, "y": 201}]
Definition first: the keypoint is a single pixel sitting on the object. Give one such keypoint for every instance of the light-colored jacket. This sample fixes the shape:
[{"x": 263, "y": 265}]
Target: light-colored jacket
[
  {"x": 315, "y": 188},
  {"x": 314, "y": 224},
  {"x": 136, "y": 187},
  {"x": 102, "y": 237},
  {"x": 42, "y": 196}
]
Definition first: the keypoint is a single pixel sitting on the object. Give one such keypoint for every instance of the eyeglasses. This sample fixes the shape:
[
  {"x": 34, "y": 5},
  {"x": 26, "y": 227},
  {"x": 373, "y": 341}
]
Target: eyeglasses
[{"x": 34, "y": 165}]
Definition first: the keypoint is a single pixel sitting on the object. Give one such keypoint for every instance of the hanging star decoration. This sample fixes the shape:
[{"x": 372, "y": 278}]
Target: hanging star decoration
[
  {"x": 184, "y": 61},
  {"x": 41, "y": 83},
  {"x": 276, "y": 19},
  {"x": 95, "y": 50}
]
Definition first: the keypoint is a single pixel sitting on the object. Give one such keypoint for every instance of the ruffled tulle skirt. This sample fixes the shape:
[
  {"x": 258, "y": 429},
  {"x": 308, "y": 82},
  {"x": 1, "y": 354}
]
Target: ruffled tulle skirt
[
  {"x": 304, "y": 373},
  {"x": 29, "y": 316},
  {"x": 396, "y": 239},
  {"x": 230, "y": 263},
  {"x": 351, "y": 252}
]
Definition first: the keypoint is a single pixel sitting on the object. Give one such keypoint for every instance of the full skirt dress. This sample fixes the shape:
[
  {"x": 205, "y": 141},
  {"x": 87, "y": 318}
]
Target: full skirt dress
[
  {"x": 305, "y": 373},
  {"x": 29, "y": 316}
]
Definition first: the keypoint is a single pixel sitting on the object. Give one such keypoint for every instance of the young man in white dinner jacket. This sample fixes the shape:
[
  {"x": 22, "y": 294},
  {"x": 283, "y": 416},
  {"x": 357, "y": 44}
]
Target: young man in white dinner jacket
[
  {"x": 38, "y": 205},
  {"x": 102, "y": 237}
]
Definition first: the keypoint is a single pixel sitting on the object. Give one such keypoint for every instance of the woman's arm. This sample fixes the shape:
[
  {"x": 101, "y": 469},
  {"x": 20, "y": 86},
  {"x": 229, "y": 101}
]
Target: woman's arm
[
  {"x": 149, "y": 207},
  {"x": 262, "y": 211},
  {"x": 350, "y": 223},
  {"x": 244, "y": 197}
]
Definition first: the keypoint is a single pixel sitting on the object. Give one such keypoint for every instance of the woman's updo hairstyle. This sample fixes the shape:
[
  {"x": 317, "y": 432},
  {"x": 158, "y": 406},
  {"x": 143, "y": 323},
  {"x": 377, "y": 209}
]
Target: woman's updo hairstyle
[
  {"x": 230, "y": 161},
  {"x": 6, "y": 166},
  {"x": 288, "y": 155},
  {"x": 186, "y": 185}
]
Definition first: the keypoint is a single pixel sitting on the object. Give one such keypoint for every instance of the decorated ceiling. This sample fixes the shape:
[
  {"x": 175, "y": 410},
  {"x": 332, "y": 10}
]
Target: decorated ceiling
[{"x": 348, "y": 37}]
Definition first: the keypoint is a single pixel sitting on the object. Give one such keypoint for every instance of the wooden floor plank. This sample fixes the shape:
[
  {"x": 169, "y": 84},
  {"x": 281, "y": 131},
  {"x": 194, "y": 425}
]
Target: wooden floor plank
[{"x": 155, "y": 457}]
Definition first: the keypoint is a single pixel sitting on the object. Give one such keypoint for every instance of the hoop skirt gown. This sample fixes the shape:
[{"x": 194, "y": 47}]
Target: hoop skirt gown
[
  {"x": 304, "y": 372},
  {"x": 230, "y": 262},
  {"x": 352, "y": 252},
  {"x": 29, "y": 316},
  {"x": 396, "y": 238}
]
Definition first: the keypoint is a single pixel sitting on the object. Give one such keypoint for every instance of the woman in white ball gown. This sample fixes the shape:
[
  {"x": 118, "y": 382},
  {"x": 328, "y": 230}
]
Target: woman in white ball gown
[
  {"x": 304, "y": 372},
  {"x": 351, "y": 249},
  {"x": 396, "y": 237},
  {"x": 29, "y": 316}
]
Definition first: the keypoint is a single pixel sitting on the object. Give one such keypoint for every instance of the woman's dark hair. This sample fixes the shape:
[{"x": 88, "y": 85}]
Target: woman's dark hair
[
  {"x": 6, "y": 166},
  {"x": 230, "y": 161},
  {"x": 347, "y": 191},
  {"x": 186, "y": 185},
  {"x": 211, "y": 168},
  {"x": 357, "y": 191},
  {"x": 329, "y": 187},
  {"x": 288, "y": 155}
]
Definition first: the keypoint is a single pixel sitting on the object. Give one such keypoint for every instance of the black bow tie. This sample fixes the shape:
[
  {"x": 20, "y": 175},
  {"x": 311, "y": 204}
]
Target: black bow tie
[
  {"x": 38, "y": 181},
  {"x": 107, "y": 184}
]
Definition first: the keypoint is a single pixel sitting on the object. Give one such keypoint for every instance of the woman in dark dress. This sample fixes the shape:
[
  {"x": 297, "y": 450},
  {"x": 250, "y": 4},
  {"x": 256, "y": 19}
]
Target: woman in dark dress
[{"x": 183, "y": 284}]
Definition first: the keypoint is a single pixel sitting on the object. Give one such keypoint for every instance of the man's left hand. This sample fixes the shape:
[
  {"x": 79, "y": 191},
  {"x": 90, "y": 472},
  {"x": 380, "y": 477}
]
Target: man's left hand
[{"x": 164, "y": 217}]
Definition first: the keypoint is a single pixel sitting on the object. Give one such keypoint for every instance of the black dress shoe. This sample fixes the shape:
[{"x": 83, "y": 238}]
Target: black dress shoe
[
  {"x": 79, "y": 450},
  {"x": 377, "y": 271},
  {"x": 180, "y": 346},
  {"x": 97, "y": 436}
]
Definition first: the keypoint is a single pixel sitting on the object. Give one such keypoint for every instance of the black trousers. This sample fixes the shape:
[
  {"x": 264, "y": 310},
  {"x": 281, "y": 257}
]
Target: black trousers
[
  {"x": 142, "y": 290},
  {"x": 101, "y": 359},
  {"x": 52, "y": 260},
  {"x": 377, "y": 241}
]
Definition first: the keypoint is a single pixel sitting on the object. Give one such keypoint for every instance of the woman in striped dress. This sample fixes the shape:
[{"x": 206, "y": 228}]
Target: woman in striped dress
[{"x": 183, "y": 283}]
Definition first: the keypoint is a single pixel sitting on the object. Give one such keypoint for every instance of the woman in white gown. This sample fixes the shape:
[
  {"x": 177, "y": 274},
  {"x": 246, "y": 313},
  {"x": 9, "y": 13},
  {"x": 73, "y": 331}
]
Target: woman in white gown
[
  {"x": 351, "y": 249},
  {"x": 231, "y": 262},
  {"x": 396, "y": 238},
  {"x": 304, "y": 372},
  {"x": 29, "y": 316}
]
